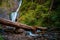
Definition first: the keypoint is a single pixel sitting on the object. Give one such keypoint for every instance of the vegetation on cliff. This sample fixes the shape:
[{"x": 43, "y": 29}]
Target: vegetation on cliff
[
  {"x": 40, "y": 13},
  {"x": 36, "y": 12}
]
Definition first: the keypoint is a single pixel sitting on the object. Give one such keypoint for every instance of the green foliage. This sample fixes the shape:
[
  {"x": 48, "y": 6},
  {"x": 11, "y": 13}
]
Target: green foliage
[
  {"x": 0, "y": 2},
  {"x": 55, "y": 17},
  {"x": 35, "y": 14}
]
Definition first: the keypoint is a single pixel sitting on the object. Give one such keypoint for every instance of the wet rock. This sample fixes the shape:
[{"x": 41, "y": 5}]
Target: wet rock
[
  {"x": 21, "y": 36},
  {"x": 4, "y": 13}
]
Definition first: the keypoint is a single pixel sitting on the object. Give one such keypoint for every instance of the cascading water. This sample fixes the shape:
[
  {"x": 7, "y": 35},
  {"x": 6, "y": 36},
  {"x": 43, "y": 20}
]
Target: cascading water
[
  {"x": 32, "y": 34},
  {"x": 14, "y": 15}
]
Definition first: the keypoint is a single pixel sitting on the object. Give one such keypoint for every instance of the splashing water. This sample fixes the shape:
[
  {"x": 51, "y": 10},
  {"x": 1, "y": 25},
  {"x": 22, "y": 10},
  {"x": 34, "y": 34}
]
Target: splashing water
[
  {"x": 14, "y": 15},
  {"x": 32, "y": 34}
]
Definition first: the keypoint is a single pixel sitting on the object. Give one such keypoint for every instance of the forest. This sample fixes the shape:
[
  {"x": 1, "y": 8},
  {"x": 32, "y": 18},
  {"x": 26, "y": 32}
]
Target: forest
[
  {"x": 45, "y": 13},
  {"x": 39, "y": 13}
]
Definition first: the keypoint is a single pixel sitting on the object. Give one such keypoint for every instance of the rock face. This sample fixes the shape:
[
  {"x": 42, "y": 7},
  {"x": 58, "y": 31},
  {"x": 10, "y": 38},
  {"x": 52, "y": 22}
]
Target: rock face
[
  {"x": 6, "y": 7},
  {"x": 9, "y": 5},
  {"x": 4, "y": 13},
  {"x": 17, "y": 37},
  {"x": 21, "y": 36}
]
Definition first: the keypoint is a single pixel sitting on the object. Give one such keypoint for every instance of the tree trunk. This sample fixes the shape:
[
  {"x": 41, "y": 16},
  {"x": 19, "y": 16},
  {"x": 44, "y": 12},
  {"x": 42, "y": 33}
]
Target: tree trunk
[
  {"x": 19, "y": 25},
  {"x": 52, "y": 2},
  {"x": 15, "y": 24}
]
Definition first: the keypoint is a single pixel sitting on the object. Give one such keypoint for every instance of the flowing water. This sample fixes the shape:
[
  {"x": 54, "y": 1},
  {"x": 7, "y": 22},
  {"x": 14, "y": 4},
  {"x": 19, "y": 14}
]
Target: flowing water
[
  {"x": 15, "y": 14},
  {"x": 33, "y": 34}
]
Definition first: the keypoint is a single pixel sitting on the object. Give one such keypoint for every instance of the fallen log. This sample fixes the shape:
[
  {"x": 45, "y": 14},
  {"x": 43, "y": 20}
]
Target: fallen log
[
  {"x": 15, "y": 24},
  {"x": 41, "y": 28},
  {"x": 19, "y": 25}
]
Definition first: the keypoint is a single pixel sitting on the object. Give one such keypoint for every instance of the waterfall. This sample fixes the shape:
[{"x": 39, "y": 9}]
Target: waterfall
[
  {"x": 19, "y": 6},
  {"x": 14, "y": 15}
]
